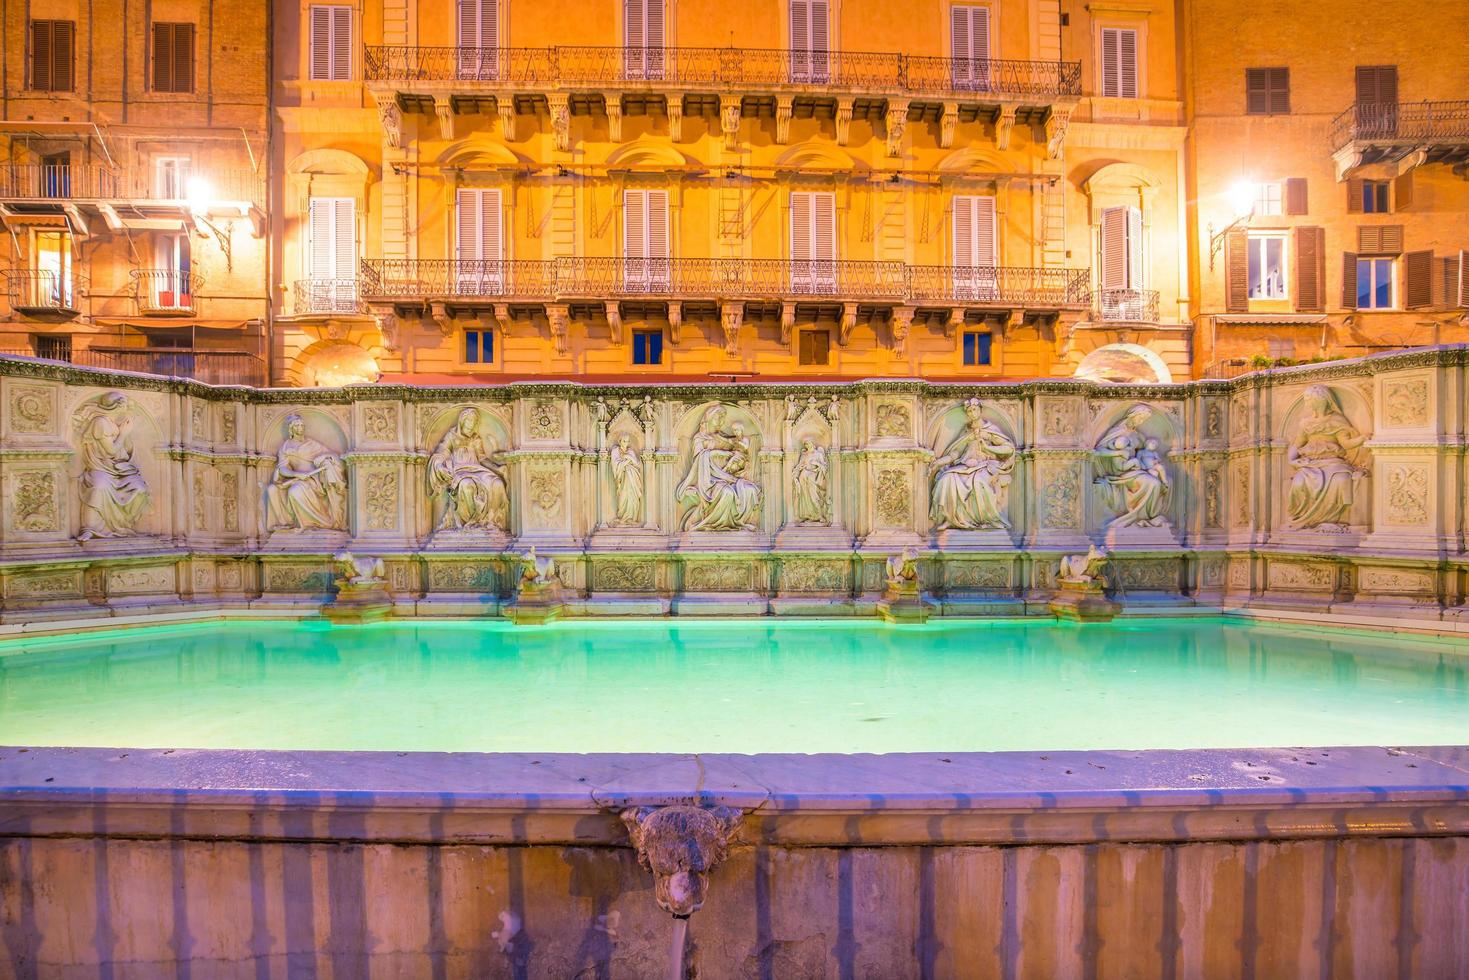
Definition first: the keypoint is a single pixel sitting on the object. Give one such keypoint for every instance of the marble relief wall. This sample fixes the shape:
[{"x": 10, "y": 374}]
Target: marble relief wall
[{"x": 1310, "y": 487}]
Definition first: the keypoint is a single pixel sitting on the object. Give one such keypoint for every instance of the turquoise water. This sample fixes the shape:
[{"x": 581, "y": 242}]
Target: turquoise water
[{"x": 756, "y": 686}]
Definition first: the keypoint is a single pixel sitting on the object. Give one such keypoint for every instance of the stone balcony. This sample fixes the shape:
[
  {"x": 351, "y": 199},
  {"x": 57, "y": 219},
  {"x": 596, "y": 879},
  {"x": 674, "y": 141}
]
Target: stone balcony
[
  {"x": 1387, "y": 139},
  {"x": 726, "y": 83},
  {"x": 730, "y": 288}
]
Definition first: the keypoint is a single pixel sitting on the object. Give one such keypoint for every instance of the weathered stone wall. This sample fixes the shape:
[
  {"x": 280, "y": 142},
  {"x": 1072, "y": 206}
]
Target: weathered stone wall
[{"x": 1335, "y": 487}]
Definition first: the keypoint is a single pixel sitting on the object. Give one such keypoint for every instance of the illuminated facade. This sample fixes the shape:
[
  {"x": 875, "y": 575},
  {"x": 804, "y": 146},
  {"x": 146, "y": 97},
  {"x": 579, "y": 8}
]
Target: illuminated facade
[
  {"x": 133, "y": 189},
  {"x": 1329, "y": 175},
  {"x": 497, "y": 188}
]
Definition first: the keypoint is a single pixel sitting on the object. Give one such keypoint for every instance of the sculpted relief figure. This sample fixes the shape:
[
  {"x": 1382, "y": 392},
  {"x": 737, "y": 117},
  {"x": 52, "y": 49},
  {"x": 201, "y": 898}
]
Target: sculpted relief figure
[
  {"x": 461, "y": 469},
  {"x": 1130, "y": 468},
  {"x": 627, "y": 482},
  {"x": 1328, "y": 460},
  {"x": 971, "y": 475},
  {"x": 113, "y": 492},
  {"x": 716, "y": 492},
  {"x": 308, "y": 490},
  {"x": 809, "y": 478}
]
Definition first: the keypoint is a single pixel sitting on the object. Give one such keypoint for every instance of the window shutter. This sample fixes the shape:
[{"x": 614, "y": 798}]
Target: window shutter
[
  {"x": 1237, "y": 272},
  {"x": 63, "y": 55},
  {"x": 490, "y": 226},
  {"x": 466, "y": 225},
  {"x": 635, "y": 224},
  {"x": 321, "y": 43},
  {"x": 162, "y": 62},
  {"x": 800, "y": 36},
  {"x": 1135, "y": 272},
  {"x": 1110, "y": 67},
  {"x": 42, "y": 55},
  {"x": 183, "y": 57},
  {"x": 658, "y": 225},
  {"x": 1279, "y": 90},
  {"x": 801, "y": 226},
  {"x": 969, "y": 36},
  {"x": 1377, "y": 83},
  {"x": 1114, "y": 248},
  {"x": 322, "y": 247},
  {"x": 345, "y": 238},
  {"x": 1463, "y": 283},
  {"x": 1402, "y": 192},
  {"x": 1295, "y": 195},
  {"x": 985, "y": 251},
  {"x": 1349, "y": 280},
  {"x": 959, "y": 39},
  {"x": 636, "y": 29},
  {"x": 341, "y": 43},
  {"x": 1418, "y": 279},
  {"x": 824, "y": 237},
  {"x": 1380, "y": 239},
  {"x": 1128, "y": 63},
  {"x": 1354, "y": 196},
  {"x": 1310, "y": 261},
  {"x": 820, "y": 40},
  {"x": 965, "y": 256},
  {"x": 1257, "y": 95}
]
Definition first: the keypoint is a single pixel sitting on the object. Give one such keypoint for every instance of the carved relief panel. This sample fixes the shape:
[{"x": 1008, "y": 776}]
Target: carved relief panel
[{"x": 31, "y": 408}]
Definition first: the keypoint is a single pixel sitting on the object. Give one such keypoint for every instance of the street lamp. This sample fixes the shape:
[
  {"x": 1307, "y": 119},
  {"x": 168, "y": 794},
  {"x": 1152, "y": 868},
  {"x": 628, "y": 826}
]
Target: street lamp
[{"x": 1241, "y": 200}]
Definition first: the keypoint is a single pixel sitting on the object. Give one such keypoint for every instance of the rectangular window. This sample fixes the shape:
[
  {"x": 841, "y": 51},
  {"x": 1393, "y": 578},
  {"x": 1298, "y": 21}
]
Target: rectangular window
[
  {"x": 810, "y": 42},
  {"x": 975, "y": 255},
  {"x": 56, "y": 175},
  {"x": 1268, "y": 199},
  {"x": 1267, "y": 91},
  {"x": 331, "y": 43},
  {"x": 478, "y": 225},
  {"x": 1280, "y": 348},
  {"x": 643, "y": 31},
  {"x": 647, "y": 347},
  {"x": 479, "y": 31},
  {"x": 332, "y": 256},
  {"x": 53, "y": 348},
  {"x": 1267, "y": 267},
  {"x": 1374, "y": 284},
  {"x": 813, "y": 242},
  {"x": 969, "y": 34},
  {"x": 1375, "y": 197},
  {"x": 53, "y": 281},
  {"x": 978, "y": 348},
  {"x": 53, "y": 54},
  {"x": 645, "y": 241},
  {"x": 815, "y": 347},
  {"x": 1119, "y": 63},
  {"x": 173, "y": 57},
  {"x": 479, "y": 347},
  {"x": 1122, "y": 248},
  {"x": 171, "y": 177}
]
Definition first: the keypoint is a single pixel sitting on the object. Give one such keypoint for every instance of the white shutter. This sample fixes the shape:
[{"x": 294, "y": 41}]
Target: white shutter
[
  {"x": 820, "y": 41},
  {"x": 341, "y": 43},
  {"x": 1135, "y": 269},
  {"x": 643, "y": 22},
  {"x": 479, "y": 250},
  {"x": 1119, "y": 63},
  {"x": 479, "y": 27},
  {"x": 810, "y": 41},
  {"x": 801, "y": 241},
  {"x": 333, "y": 252},
  {"x": 344, "y": 238},
  {"x": 975, "y": 252},
  {"x": 645, "y": 240},
  {"x": 970, "y": 42},
  {"x": 321, "y": 43},
  {"x": 658, "y": 252},
  {"x": 1114, "y": 248}
]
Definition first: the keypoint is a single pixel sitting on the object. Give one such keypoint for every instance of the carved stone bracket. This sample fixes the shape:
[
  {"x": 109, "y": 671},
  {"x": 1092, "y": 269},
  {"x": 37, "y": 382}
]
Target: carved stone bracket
[
  {"x": 439, "y": 313},
  {"x": 614, "y": 321},
  {"x": 731, "y": 315},
  {"x": 444, "y": 109},
  {"x": 948, "y": 122},
  {"x": 560, "y": 120},
  {"x": 675, "y": 119},
  {"x": 559, "y": 318},
  {"x": 675, "y": 321},
  {"x": 729, "y": 122},
  {"x": 844, "y": 121},
  {"x": 506, "y": 108},
  {"x": 614, "y": 118},
  {"x": 900, "y": 324},
  {"x": 502, "y": 316},
  {"x": 680, "y": 845},
  {"x": 783, "y": 109},
  {"x": 897, "y": 124},
  {"x": 1004, "y": 123},
  {"x": 387, "y": 325},
  {"x": 392, "y": 119},
  {"x": 787, "y": 321},
  {"x": 1056, "y": 124},
  {"x": 849, "y": 320},
  {"x": 951, "y": 325}
]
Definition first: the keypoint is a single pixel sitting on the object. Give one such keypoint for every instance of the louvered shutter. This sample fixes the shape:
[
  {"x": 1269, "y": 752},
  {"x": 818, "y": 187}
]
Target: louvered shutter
[
  {"x": 1119, "y": 63},
  {"x": 1295, "y": 195},
  {"x": 479, "y": 223},
  {"x": 810, "y": 41},
  {"x": 658, "y": 252},
  {"x": 1279, "y": 90},
  {"x": 964, "y": 246},
  {"x": 1114, "y": 248},
  {"x": 1380, "y": 239},
  {"x": 1349, "y": 280},
  {"x": 643, "y": 23},
  {"x": 1402, "y": 192},
  {"x": 645, "y": 240},
  {"x": 1418, "y": 279},
  {"x": 820, "y": 41},
  {"x": 1135, "y": 277},
  {"x": 1463, "y": 277},
  {"x": 344, "y": 238},
  {"x": 321, "y": 43},
  {"x": 1377, "y": 98},
  {"x": 162, "y": 57},
  {"x": 341, "y": 43},
  {"x": 975, "y": 252},
  {"x": 52, "y": 55},
  {"x": 479, "y": 27},
  {"x": 1257, "y": 92},
  {"x": 183, "y": 57},
  {"x": 969, "y": 28},
  {"x": 813, "y": 241},
  {"x": 42, "y": 55},
  {"x": 1354, "y": 196},
  {"x": 1310, "y": 262},
  {"x": 1237, "y": 272}
]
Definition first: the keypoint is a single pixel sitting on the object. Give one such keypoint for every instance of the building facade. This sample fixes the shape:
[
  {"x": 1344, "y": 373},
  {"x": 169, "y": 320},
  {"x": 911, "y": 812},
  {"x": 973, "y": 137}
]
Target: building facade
[
  {"x": 497, "y": 189},
  {"x": 133, "y": 185},
  {"x": 1331, "y": 209}
]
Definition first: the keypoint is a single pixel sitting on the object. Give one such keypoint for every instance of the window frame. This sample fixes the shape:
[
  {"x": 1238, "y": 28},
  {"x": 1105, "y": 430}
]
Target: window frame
[
  {"x": 349, "y": 71},
  {"x": 1268, "y": 90},
  {"x": 483, "y": 337},
  {"x": 183, "y": 169},
  {"x": 973, "y": 339},
  {"x": 643, "y": 337},
  {"x": 173, "y": 29},
  {"x": 1377, "y": 193},
  {"x": 1139, "y": 59},
  {"x": 70, "y": 61},
  {"x": 1373, "y": 263},
  {"x": 1270, "y": 199},
  {"x": 1259, "y": 239},
  {"x": 803, "y": 337}
]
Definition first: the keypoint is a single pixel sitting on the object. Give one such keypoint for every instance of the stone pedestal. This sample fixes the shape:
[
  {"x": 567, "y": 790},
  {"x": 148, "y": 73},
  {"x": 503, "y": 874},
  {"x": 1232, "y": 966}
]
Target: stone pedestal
[
  {"x": 904, "y": 604},
  {"x": 1082, "y": 601},
  {"x": 364, "y": 603},
  {"x": 536, "y": 604}
]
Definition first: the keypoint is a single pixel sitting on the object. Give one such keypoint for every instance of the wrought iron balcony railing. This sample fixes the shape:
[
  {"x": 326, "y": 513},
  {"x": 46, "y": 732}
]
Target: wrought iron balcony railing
[
  {"x": 326, "y": 296},
  {"x": 92, "y": 182},
  {"x": 535, "y": 280},
  {"x": 999, "y": 285},
  {"x": 1127, "y": 305},
  {"x": 42, "y": 291},
  {"x": 721, "y": 69},
  {"x": 166, "y": 292},
  {"x": 1408, "y": 122}
]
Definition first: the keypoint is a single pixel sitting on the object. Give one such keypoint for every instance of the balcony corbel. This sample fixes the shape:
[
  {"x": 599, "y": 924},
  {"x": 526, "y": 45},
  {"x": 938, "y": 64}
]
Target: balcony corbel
[
  {"x": 110, "y": 217},
  {"x": 675, "y": 321},
  {"x": 731, "y": 316},
  {"x": 729, "y": 122},
  {"x": 1410, "y": 161},
  {"x": 505, "y": 106},
  {"x": 502, "y": 317},
  {"x": 444, "y": 109},
  {"x": 614, "y": 321},
  {"x": 948, "y": 122},
  {"x": 784, "y": 108},
  {"x": 951, "y": 325},
  {"x": 849, "y": 321},
  {"x": 560, "y": 108},
  {"x": 897, "y": 124},
  {"x": 558, "y": 318},
  {"x": 844, "y": 120},
  {"x": 76, "y": 220},
  {"x": 392, "y": 118},
  {"x": 787, "y": 321},
  {"x": 387, "y": 327},
  {"x": 614, "y": 117},
  {"x": 675, "y": 118},
  {"x": 1056, "y": 124},
  {"x": 1004, "y": 123},
  {"x": 900, "y": 323},
  {"x": 439, "y": 313}
]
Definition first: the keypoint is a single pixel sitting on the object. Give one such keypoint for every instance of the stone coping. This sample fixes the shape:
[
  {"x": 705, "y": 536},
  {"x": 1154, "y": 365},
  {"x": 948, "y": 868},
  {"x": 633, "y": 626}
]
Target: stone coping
[{"x": 799, "y": 800}]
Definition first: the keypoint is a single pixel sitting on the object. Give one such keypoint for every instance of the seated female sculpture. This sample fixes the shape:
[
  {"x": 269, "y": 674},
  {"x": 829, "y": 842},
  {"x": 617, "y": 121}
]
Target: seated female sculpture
[
  {"x": 473, "y": 486},
  {"x": 308, "y": 489}
]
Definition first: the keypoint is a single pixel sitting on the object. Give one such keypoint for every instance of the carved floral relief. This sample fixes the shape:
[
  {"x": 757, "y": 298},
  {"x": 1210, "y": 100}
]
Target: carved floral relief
[
  {"x": 32, "y": 409},
  {"x": 33, "y": 503}
]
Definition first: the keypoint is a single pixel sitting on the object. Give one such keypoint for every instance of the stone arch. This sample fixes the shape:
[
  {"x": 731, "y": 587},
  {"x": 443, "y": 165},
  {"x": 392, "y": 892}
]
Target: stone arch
[
  {"x": 1118, "y": 184},
  {"x": 1158, "y": 423},
  {"x": 493, "y": 427},
  {"x": 974, "y": 159},
  {"x": 332, "y": 364},
  {"x": 478, "y": 153},
  {"x": 945, "y": 425},
  {"x": 321, "y": 425},
  {"x": 1352, "y": 403},
  {"x": 645, "y": 153},
  {"x": 813, "y": 154},
  {"x": 1124, "y": 364}
]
